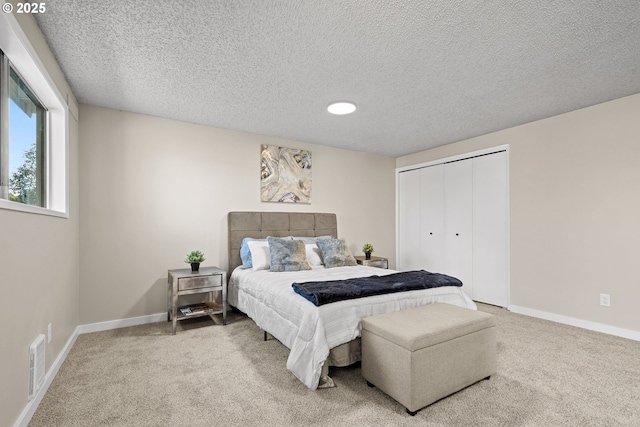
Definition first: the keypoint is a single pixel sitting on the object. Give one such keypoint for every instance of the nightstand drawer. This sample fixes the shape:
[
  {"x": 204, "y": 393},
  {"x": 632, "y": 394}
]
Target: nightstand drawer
[
  {"x": 185, "y": 283},
  {"x": 380, "y": 263},
  {"x": 375, "y": 261}
]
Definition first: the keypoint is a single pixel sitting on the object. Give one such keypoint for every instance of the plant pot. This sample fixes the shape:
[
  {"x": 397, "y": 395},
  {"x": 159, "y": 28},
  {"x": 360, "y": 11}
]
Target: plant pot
[
  {"x": 367, "y": 255},
  {"x": 195, "y": 266}
]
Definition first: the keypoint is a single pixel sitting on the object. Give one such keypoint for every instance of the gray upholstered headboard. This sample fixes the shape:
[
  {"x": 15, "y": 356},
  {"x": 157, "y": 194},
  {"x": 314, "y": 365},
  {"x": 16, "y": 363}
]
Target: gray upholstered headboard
[{"x": 259, "y": 225}]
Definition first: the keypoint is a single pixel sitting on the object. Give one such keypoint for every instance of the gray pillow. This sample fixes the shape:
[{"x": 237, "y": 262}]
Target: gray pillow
[
  {"x": 335, "y": 253},
  {"x": 287, "y": 255}
]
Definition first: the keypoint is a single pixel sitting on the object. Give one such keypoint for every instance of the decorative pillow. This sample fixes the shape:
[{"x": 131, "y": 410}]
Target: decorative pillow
[
  {"x": 335, "y": 253},
  {"x": 259, "y": 254},
  {"x": 245, "y": 252},
  {"x": 313, "y": 254},
  {"x": 287, "y": 255},
  {"x": 307, "y": 240}
]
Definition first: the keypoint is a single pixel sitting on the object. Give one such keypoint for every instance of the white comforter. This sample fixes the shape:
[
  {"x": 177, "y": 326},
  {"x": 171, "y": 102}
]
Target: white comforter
[{"x": 310, "y": 331}]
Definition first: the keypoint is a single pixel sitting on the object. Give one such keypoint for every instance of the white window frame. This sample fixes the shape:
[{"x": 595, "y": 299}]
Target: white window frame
[{"x": 16, "y": 46}]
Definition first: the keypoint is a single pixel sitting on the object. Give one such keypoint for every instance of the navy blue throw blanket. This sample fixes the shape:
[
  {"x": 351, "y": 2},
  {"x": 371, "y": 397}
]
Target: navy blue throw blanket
[{"x": 325, "y": 292}]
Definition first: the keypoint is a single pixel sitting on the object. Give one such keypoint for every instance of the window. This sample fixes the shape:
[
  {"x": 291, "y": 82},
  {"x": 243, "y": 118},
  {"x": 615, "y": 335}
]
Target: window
[
  {"x": 23, "y": 165},
  {"x": 33, "y": 129}
]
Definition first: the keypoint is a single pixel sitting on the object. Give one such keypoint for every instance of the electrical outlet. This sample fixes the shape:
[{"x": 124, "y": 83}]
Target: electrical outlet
[
  {"x": 49, "y": 333},
  {"x": 605, "y": 300}
]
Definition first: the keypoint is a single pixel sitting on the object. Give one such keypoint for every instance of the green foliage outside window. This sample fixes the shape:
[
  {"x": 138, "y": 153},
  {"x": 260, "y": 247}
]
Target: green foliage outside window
[{"x": 23, "y": 185}]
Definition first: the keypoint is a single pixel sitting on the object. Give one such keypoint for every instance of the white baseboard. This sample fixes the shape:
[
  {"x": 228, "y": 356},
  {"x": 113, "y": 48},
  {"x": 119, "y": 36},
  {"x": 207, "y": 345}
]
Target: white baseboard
[
  {"x": 572, "y": 321},
  {"x": 122, "y": 323},
  {"x": 26, "y": 415}
]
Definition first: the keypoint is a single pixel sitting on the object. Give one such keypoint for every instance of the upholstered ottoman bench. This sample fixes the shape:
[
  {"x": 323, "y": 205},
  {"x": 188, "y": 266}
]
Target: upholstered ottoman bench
[{"x": 420, "y": 355}]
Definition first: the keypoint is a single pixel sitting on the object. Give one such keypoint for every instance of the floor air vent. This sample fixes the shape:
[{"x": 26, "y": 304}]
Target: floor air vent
[{"x": 36, "y": 365}]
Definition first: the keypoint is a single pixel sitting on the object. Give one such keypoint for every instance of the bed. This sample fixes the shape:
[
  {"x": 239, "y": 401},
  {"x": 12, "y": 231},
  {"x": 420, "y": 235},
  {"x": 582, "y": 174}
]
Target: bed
[{"x": 318, "y": 336}]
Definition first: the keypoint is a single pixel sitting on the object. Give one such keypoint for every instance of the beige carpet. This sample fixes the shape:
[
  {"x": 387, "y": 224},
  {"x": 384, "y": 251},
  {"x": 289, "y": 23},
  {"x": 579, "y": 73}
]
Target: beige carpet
[{"x": 208, "y": 375}]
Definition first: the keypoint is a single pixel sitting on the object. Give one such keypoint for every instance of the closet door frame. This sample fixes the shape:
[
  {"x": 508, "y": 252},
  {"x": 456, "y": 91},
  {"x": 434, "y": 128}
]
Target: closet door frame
[{"x": 463, "y": 156}]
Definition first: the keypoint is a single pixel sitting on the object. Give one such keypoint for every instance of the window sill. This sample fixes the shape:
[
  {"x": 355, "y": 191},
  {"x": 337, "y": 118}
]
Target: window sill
[{"x": 21, "y": 207}]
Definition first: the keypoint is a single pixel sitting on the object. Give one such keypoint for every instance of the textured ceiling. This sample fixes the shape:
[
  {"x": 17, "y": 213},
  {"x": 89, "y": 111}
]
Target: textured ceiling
[{"x": 422, "y": 73}]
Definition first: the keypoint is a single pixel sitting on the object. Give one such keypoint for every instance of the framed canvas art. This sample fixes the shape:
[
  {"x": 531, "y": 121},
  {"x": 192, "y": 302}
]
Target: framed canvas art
[{"x": 285, "y": 175}]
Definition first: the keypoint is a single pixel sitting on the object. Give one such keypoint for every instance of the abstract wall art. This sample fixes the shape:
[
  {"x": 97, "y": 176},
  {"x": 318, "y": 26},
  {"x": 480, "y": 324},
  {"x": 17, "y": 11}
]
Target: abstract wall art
[{"x": 285, "y": 175}]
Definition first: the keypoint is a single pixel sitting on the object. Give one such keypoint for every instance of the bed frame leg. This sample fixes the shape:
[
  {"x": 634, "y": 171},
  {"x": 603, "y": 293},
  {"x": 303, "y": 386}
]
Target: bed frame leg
[{"x": 265, "y": 335}]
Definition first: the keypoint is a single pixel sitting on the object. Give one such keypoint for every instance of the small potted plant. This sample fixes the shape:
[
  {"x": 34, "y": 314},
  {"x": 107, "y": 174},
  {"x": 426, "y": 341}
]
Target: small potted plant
[
  {"x": 194, "y": 258},
  {"x": 367, "y": 249}
]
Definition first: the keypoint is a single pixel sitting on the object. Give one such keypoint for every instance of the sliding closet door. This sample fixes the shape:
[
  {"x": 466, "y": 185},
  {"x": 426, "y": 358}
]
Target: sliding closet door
[
  {"x": 458, "y": 209},
  {"x": 409, "y": 256},
  {"x": 432, "y": 218},
  {"x": 490, "y": 233}
]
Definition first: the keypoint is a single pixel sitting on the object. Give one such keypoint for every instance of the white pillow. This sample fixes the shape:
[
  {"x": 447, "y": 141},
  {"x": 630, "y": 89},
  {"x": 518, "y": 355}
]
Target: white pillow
[
  {"x": 260, "y": 255},
  {"x": 313, "y": 254}
]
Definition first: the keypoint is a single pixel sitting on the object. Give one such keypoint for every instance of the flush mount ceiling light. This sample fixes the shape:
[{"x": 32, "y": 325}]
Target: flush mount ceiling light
[{"x": 341, "y": 108}]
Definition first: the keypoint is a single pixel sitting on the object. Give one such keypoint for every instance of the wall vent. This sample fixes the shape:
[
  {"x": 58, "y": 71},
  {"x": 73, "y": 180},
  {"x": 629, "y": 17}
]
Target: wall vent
[{"x": 36, "y": 366}]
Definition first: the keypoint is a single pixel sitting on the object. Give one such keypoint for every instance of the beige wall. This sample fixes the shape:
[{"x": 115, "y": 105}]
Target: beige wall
[
  {"x": 154, "y": 189},
  {"x": 575, "y": 210},
  {"x": 39, "y": 269}
]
